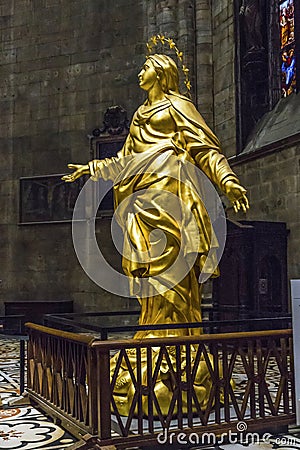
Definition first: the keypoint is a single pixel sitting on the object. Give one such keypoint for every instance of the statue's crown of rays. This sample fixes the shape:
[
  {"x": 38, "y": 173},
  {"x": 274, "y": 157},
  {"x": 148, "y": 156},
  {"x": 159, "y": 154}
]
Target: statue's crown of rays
[{"x": 158, "y": 39}]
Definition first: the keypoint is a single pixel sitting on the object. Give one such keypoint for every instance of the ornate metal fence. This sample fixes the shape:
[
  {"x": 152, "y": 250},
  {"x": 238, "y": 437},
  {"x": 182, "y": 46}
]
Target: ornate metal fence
[
  {"x": 251, "y": 375},
  {"x": 62, "y": 378}
]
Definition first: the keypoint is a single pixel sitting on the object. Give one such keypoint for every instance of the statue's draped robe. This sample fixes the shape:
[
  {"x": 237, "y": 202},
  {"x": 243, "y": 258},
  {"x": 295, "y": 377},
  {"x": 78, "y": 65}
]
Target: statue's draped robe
[
  {"x": 161, "y": 133},
  {"x": 152, "y": 175}
]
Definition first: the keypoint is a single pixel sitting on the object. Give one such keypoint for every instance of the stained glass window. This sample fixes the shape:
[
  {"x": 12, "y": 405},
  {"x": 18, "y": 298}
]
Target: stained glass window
[{"x": 287, "y": 44}]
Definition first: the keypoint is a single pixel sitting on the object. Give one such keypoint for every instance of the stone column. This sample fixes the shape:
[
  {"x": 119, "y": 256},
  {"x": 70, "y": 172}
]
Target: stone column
[{"x": 204, "y": 60}]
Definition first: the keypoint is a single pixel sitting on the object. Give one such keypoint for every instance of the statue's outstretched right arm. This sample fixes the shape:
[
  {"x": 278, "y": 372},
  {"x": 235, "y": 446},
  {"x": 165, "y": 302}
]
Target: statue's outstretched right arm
[{"x": 107, "y": 168}]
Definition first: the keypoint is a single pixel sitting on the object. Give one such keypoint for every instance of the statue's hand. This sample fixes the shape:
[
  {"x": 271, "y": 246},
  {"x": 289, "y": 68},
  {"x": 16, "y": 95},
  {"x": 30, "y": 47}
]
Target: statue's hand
[
  {"x": 79, "y": 171},
  {"x": 237, "y": 195}
]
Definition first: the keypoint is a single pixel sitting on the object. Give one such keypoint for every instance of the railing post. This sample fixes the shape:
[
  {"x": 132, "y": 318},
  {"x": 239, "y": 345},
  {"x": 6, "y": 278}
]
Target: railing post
[
  {"x": 92, "y": 387},
  {"x": 29, "y": 357},
  {"x": 104, "y": 392}
]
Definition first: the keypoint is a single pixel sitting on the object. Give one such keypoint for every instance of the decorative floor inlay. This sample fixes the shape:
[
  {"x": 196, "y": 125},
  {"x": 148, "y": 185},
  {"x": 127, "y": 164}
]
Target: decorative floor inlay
[
  {"x": 9, "y": 369},
  {"x": 28, "y": 429}
]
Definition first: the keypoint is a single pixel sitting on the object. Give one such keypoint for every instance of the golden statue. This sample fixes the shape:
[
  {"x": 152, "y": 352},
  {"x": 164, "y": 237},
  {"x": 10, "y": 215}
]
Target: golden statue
[{"x": 165, "y": 126}]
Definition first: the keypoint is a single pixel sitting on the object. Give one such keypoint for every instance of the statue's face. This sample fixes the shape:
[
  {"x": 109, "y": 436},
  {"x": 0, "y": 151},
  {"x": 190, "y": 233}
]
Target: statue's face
[{"x": 147, "y": 76}]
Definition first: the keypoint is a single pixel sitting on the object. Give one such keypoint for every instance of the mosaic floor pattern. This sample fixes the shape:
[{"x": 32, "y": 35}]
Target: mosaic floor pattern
[{"x": 26, "y": 428}]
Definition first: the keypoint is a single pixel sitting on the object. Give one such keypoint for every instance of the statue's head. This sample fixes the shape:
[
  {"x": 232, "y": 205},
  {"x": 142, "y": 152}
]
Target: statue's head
[{"x": 167, "y": 72}]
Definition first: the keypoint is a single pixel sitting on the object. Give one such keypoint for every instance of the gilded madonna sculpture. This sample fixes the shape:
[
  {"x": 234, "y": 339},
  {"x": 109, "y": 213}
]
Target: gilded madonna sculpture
[{"x": 166, "y": 126}]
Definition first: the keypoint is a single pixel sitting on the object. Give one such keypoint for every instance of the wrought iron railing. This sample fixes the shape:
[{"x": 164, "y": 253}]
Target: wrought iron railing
[
  {"x": 69, "y": 375},
  {"x": 62, "y": 378}
]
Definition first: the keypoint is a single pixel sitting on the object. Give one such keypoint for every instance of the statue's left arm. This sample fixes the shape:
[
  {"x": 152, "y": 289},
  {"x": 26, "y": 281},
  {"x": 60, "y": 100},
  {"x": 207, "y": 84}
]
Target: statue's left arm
[
  {"x": 204, "y": 147},
  {"x": 216, "y": 167}
]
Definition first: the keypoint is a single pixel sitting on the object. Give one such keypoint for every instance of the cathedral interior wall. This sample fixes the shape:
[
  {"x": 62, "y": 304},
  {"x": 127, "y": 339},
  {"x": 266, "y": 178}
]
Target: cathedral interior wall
[{"x": 63, "y": 63}]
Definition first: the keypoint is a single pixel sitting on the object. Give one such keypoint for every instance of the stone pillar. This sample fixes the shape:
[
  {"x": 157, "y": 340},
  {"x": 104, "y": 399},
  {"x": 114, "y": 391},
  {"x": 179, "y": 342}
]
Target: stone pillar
[
  {"x": 204, "y": 60},
  {"x": 224, "y": 75},
  {"x": 187, "y": 40}
]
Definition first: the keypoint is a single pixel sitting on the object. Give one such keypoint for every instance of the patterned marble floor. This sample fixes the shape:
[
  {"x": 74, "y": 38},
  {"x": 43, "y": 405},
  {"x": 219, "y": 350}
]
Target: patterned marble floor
[{"x": 24, "y": 427}]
